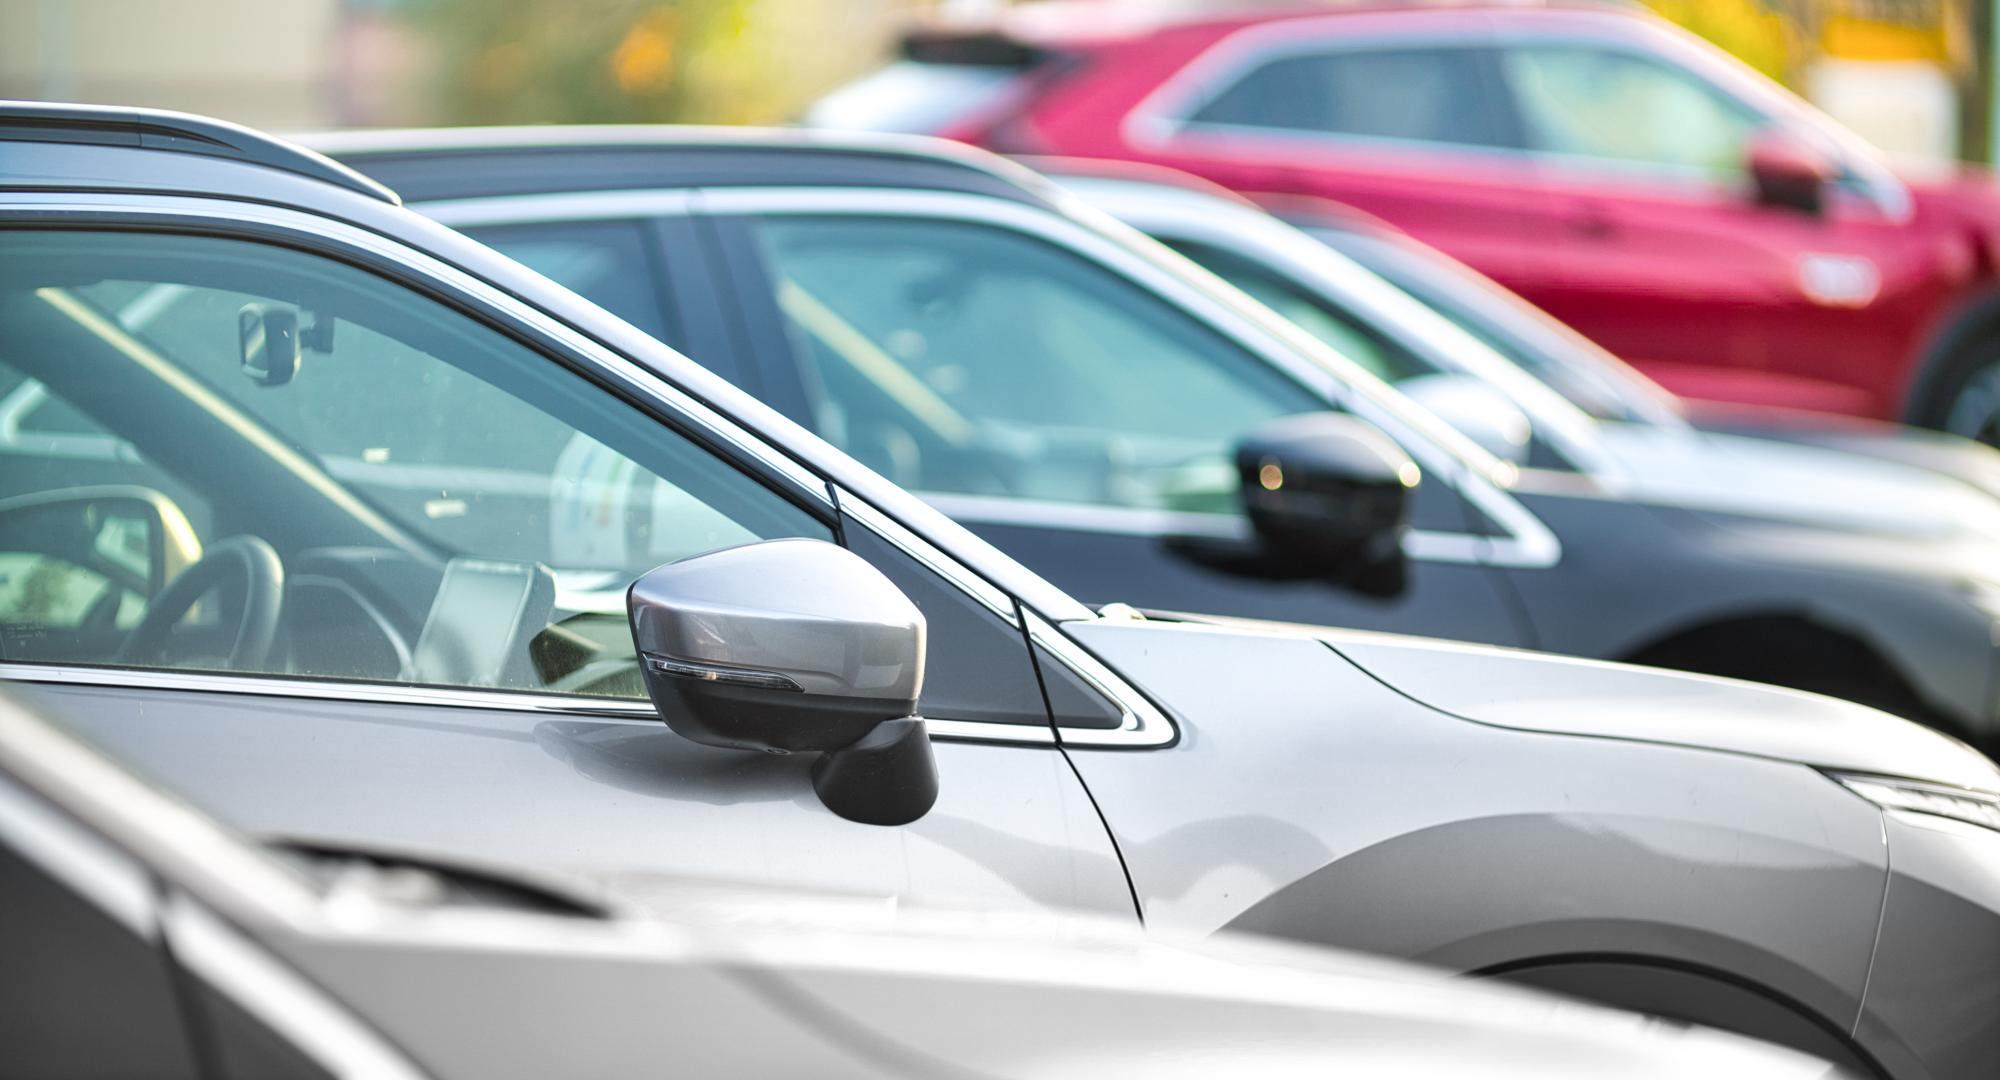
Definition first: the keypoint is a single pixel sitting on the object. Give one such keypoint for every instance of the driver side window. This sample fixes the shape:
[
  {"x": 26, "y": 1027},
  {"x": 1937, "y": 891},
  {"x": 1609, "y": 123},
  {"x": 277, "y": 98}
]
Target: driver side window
[
  {"x": 1615, "y": 106},
  {"x": 383, "y": 488},
  {"x": 967, "y": 359}
]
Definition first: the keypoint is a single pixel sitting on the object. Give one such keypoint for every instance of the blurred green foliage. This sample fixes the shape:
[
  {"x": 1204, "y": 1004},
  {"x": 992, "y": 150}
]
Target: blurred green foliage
[
  {"x": 576, "y": 61},
  {"x": 1766, "y": 35}
]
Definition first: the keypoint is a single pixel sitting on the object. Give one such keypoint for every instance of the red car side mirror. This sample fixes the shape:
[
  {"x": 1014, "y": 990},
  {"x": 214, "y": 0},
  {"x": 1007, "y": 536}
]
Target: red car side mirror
[{"x": 1789, "y": 172}]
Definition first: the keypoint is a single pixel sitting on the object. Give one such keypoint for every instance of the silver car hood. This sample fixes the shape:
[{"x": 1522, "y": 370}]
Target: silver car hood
[
  {"x": 1810, "y": 486},
  {"x": 1531, "y": 691}
]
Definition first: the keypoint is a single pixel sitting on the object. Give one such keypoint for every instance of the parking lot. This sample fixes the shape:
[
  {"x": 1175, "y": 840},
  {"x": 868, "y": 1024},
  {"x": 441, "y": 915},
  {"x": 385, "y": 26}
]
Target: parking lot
[{"x": 1021, "y": 539}]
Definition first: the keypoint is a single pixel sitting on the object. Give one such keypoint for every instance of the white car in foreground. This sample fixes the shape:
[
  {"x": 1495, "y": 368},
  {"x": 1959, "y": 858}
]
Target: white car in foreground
[{"x": 144, "y": 940}]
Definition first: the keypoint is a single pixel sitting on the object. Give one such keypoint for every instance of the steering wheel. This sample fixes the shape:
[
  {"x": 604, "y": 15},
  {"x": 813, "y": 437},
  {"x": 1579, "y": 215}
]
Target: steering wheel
[{"x": 246, "y": 558}]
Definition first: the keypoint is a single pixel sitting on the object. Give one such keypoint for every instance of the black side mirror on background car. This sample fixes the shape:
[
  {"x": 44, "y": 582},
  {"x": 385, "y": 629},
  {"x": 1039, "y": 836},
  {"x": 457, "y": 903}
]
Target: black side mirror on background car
[
  {"x": 1328, "y": 495},
  {"x": 1327, "y": 498}
]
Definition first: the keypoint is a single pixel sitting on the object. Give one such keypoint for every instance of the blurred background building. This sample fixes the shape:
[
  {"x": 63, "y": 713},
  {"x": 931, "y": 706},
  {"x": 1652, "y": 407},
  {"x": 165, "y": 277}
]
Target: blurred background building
[{"x": 1915, "y": 76}]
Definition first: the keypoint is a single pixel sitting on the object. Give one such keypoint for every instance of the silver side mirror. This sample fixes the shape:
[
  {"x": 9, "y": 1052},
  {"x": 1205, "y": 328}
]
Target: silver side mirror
[
  {"x": 1477, "y": 410},
  {"x": 792, "y": 646}
]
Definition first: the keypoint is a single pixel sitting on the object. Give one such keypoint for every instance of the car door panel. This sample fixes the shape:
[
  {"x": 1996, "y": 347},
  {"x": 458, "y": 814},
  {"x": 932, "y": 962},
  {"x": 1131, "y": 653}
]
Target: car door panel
[
  {"x": 282, "y": 745},
  {"x": 571, "y": 791}
]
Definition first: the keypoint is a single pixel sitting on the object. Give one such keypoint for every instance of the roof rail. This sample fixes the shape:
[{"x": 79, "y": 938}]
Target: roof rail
[{"x": 156, "y": 129}]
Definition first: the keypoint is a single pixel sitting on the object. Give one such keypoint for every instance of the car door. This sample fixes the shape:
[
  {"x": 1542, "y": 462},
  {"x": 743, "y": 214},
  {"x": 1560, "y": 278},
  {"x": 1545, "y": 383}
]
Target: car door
[
  {"x": 433, "y": 516},
  {"x": 1410, "y": 127},
  {"x": 1064, "y": 411},
  {"x": 1659, "y": 230}
]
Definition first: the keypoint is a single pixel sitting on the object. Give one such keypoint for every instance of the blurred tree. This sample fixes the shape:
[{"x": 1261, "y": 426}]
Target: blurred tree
[
  {"x": 1769, "y": 35},
  {"x": 578, "y": 61}
]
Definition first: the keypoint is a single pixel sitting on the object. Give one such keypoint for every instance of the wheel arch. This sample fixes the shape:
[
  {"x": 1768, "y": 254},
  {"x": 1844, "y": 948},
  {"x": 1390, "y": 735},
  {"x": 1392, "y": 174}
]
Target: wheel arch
[
  {"x": 1972, "y": 315},
  {"x": 1691, "y": 993}
]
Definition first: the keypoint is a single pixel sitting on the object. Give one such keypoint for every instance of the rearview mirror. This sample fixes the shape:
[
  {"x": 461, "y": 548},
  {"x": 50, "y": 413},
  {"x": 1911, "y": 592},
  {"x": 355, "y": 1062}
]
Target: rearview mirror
[
  {"x": 1476, "y": 410},
  {"x": 1328, "y": 496},
  {"x": 791, "y": 646},
  {"x": 1789, "y": 172},
  {"x": 268, "y": 339}
]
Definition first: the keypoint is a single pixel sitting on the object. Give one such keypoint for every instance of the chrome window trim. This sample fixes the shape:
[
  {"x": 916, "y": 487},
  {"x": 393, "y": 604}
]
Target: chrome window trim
[
  {"x": 1141, "y": 723},
  {"x": 1102, "y": 240},
  {"x": 326, "y": 689},
  {"x": 375, "y": 693},
  {"x": 567, "y": 206},
  {"x": 92, "y": 868},
  {"x": 281, "y": 999}
]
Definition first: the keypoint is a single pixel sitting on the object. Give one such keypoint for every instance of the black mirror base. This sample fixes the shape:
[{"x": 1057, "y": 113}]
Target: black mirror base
[{"x": 889, "y": 777}]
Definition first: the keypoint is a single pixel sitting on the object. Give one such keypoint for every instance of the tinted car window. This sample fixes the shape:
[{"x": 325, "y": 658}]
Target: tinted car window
[
  {"x": 1502, "y": 321},
  {"x": 1618, "y": 106},
  {"x": 607, "y": 261},
  {"x": 963, "y": 358},
  {"x": 1383, "y": 358},
  {"x": 1425, "y": 95},
  {"x": 449, "y": 506}
]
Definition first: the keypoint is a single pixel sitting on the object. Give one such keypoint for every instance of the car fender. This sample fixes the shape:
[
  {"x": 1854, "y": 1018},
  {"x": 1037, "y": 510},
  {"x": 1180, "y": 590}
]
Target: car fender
[{"x": 1306, "y": 798}]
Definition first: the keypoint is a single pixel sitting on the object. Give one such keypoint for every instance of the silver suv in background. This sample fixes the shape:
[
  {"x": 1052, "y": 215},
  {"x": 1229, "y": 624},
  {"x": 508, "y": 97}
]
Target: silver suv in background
[{"x": 416, "y": 550}]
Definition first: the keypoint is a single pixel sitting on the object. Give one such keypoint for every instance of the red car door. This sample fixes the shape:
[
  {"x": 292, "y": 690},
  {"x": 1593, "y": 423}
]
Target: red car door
[
  {"x": 1666, "y": 256},
  {"x": 1415, "y": 129}
]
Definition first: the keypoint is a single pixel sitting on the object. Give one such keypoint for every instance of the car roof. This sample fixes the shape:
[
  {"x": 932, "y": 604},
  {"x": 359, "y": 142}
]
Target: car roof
[
  {"x": 174, "y": 134},
  {"x": 1067, "y": 24},
  {"x": 1123, "y": 196},
  {"x": 428, "y": 165}
]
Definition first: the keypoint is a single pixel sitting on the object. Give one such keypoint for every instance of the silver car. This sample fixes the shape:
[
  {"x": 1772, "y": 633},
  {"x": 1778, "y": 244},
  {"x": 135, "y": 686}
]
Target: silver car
[
  {"x": 413, "y": 549},
  {"x": 210, "y": 956}
]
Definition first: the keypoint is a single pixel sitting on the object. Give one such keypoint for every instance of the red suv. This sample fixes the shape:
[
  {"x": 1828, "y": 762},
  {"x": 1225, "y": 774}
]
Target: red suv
[{"x": 1690, "y": 214}]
